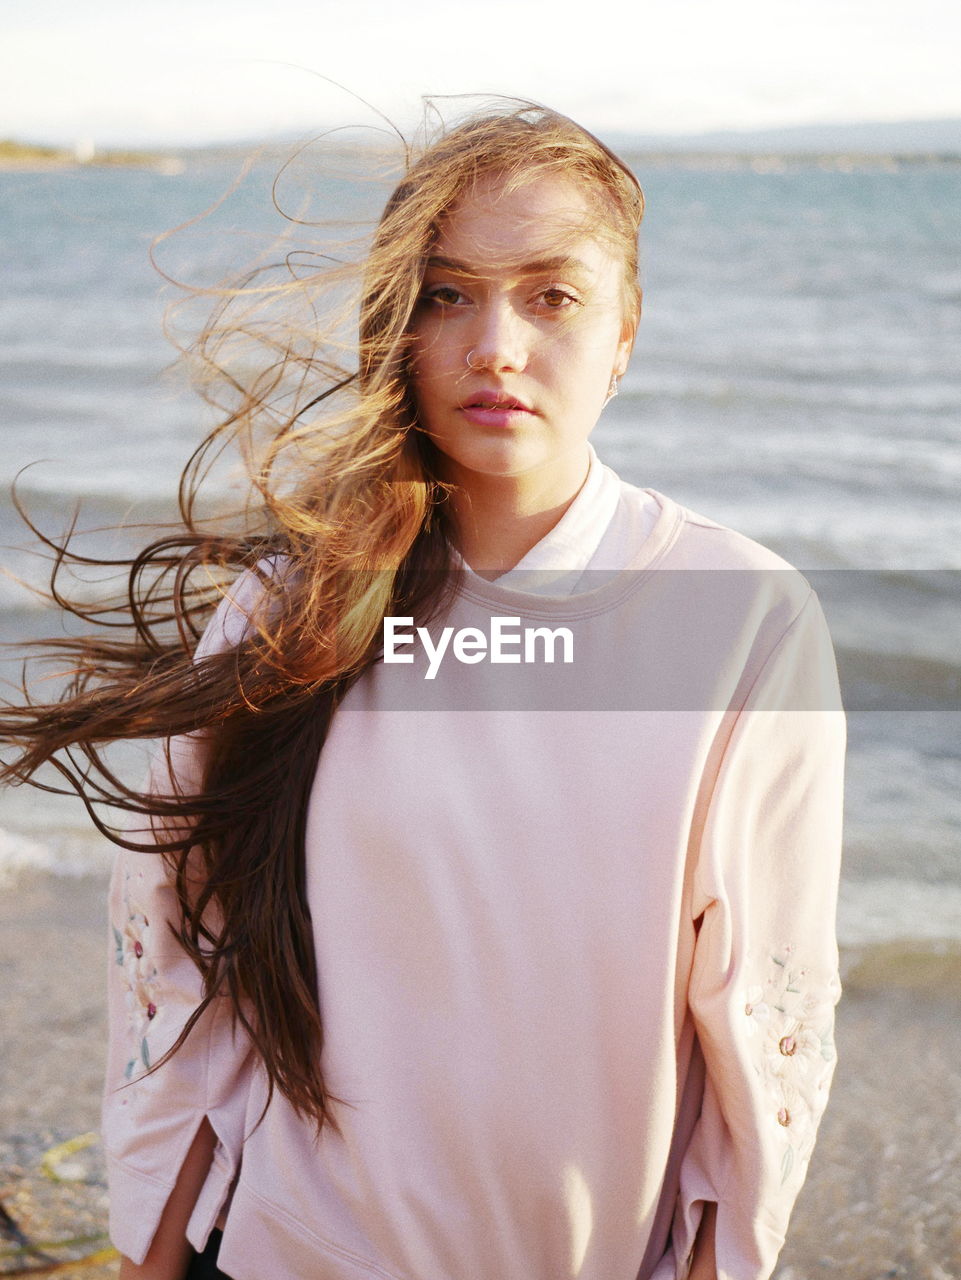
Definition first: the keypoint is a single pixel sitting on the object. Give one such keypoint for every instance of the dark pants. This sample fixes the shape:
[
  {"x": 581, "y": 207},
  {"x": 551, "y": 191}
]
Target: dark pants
[{"x": 203, "y": 1266}]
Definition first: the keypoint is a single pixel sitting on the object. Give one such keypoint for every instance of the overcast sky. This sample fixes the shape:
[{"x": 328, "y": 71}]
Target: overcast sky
[{"x": 142, "y": 71}]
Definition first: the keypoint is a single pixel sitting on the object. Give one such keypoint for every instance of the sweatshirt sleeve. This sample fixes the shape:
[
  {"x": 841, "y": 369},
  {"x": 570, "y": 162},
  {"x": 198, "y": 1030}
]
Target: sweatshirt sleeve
[
  {"x": 151, "y": 1118},
  {"x": 764, "y": 980}
]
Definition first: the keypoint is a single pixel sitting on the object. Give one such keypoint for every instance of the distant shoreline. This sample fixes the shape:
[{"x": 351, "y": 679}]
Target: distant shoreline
[
  {"x": 846, "y": 146},
  {"x": 759, "y": 162},
  {"x": 18, "y": 157},
  {"x": 843, "y": 150},
  {"x": 783, "y": 161}
]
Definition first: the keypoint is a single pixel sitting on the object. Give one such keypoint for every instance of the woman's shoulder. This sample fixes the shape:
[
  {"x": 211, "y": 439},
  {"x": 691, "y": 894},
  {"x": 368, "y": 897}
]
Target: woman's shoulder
[
  {"x": 714, "y": 572},
  {"x": 696, "y": 541},
  {"x": 236, "y": 613}
]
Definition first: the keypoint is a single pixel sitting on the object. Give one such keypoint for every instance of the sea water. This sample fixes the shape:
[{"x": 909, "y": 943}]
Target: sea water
[{"x": 796, "y": 376}]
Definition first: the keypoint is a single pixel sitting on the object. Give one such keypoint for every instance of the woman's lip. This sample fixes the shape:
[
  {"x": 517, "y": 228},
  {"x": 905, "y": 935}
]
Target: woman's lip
[
  {"x": 492, "y": 398},
  {"x": 502, "y": 415}
]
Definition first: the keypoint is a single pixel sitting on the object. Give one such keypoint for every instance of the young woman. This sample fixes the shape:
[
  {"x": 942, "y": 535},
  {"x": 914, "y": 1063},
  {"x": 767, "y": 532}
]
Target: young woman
[{"x": 480, "y": 921}]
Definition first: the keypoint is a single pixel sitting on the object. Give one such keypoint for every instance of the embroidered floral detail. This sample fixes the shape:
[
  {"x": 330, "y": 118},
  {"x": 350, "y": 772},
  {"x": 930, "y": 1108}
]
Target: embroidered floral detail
[
  {"x": 141, "y": 992},
  {"x": 757, "y": 1010},
  {"x": 790, "y": 1019}
]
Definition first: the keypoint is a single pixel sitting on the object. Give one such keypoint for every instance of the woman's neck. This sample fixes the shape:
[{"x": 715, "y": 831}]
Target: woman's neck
[{"x": 500, "y": 519}]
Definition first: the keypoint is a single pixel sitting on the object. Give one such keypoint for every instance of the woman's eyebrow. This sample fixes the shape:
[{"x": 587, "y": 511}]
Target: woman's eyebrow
[{"x": 560, "y": 264}]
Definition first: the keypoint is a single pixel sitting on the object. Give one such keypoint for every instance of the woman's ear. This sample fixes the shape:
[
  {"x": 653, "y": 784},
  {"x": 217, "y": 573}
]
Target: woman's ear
[{"x": 628, "y": 333}]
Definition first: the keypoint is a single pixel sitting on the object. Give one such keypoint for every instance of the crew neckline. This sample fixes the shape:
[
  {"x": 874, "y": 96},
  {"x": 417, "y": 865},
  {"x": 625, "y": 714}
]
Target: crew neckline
[{"x": 594, "y": 600}]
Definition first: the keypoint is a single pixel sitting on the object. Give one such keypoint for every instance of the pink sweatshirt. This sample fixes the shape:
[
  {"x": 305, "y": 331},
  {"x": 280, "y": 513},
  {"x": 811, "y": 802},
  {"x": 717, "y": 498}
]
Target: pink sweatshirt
[{"x": 574, "y": 925}]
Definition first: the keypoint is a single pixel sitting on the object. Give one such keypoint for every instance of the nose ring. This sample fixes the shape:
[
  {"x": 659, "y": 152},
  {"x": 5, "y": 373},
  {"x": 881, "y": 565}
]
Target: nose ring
[{"x": 470, "y": 364}]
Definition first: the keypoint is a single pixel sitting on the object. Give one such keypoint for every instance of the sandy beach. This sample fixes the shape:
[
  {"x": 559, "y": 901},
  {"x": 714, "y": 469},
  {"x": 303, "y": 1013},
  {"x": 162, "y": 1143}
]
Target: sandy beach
[
  {"x": 52, "y": 1046},
  {"x": 882, "y": 1201}
]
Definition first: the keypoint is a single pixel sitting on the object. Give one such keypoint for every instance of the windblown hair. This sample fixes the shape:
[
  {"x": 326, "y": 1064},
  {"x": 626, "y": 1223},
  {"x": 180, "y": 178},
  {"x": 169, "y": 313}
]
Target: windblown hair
[{"x": 347, "y": 521}]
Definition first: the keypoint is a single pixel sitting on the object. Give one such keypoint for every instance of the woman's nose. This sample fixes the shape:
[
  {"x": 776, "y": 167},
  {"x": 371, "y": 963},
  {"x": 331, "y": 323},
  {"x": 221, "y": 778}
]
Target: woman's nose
[{"x": 500, "y": 339}]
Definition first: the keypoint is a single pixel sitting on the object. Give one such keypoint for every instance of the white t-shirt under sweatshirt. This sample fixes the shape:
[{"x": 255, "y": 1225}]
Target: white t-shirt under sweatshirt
[{"x": 574, "y": 926}]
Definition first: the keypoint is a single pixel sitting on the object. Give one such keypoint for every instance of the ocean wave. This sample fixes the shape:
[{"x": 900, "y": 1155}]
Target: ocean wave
[
  {"x": 103, "y": 495},
  {"x": 68, "y": 856},
  {"x": 860, "y": 541},
  {"x": 888, "y": 910},
  {"x": 15, "y": 598},
  {"x": 29, "y": 363},
  {"x": 145, "y": 480},
  {"x": 761, "y": 389},
  {"x": 929, "y": 968},
  {"x": 899, "y": 934},
  {"x": 897, "y": 626},
  {"x": 872, "y": 681}
]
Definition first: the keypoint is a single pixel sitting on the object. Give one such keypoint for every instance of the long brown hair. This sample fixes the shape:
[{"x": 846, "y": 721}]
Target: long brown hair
[{"x": 346, "y": 522}]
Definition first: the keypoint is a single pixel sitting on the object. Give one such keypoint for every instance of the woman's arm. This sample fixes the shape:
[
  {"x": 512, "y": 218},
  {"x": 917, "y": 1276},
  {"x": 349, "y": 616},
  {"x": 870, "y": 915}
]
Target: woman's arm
[
  {"x": 170, "y": 1254},
  {"x": 764, "y": 978},
  {"x": 153, "y": 1107}
]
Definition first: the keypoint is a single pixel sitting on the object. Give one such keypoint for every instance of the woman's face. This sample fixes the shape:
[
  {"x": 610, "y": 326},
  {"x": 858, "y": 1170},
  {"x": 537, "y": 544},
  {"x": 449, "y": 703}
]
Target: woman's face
[{"x": 520, "y": 325}]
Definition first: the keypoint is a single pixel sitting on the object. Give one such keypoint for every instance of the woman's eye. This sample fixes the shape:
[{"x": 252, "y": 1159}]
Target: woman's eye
[
  {"x": 555, "y": 299},
  {"x": 445, "y": 294}
]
